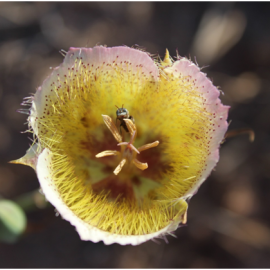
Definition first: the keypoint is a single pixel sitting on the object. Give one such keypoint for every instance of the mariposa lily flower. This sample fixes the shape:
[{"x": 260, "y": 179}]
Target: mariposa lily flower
[{"x": 124, "y": 178}]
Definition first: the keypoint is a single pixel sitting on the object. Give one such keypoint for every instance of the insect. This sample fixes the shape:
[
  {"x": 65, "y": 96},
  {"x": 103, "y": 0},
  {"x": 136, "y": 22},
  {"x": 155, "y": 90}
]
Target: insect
[{"x": 121, "y": 114}]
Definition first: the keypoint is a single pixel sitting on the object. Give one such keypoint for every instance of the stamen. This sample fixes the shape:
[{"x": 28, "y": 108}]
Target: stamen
[
  {"x": 120, "y": 166},
  {"x": 112, "y": 127},
  {"x": 107, "y": 153},
  {"x": 131, "y": 128},
  {"x": 140, "y": 165},
  {"x": 126, "y": 155},
  {"x": 147, "y": 146}
]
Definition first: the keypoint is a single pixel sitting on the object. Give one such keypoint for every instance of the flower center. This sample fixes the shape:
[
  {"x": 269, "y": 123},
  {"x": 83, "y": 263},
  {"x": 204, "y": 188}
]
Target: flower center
[{"x": 128, "y": 152}]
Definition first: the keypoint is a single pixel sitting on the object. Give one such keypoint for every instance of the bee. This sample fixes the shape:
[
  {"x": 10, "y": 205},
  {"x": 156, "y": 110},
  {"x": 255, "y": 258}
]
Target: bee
[{"x": 121, "y": 114}]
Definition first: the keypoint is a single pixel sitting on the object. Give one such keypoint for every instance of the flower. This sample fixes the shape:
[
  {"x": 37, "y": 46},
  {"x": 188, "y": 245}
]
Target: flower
[{"x": 124, "y": 178}]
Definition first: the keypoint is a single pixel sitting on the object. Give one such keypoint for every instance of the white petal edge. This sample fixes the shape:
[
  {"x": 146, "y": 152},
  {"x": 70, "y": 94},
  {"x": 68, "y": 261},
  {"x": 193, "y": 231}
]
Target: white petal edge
[{"x": 86, "y": 231}]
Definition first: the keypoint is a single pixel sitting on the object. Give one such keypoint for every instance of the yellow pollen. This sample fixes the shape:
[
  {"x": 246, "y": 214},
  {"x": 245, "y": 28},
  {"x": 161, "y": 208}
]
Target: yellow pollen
[{"x": 128, "y": 150}]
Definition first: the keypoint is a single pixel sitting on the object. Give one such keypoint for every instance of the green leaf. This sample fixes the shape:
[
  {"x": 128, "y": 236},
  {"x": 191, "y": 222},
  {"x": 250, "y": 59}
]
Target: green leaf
[{"x": 12, "y": 221}]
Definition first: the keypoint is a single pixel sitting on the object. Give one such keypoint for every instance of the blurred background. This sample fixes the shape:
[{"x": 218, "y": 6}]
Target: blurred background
[{"x": 229, "y": 218}]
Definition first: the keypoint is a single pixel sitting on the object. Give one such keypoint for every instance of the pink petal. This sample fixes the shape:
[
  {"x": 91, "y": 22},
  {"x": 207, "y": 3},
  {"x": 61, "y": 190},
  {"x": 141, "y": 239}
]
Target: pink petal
[
  {"x": 210, "y": 93},
  {"x": 131, "y": 60}
]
